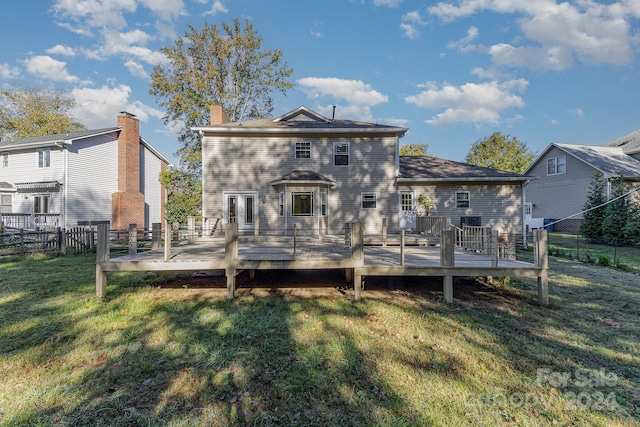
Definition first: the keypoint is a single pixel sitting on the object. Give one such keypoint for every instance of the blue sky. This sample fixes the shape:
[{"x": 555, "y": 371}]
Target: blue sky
[{"x": 452, "y": 71}]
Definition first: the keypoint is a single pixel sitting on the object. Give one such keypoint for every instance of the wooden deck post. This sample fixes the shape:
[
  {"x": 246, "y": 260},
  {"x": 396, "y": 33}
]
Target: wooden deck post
[
  {"x": 357, "y": 242},
  {"x": 402, "y": 241},
  {"x": 447, "y": 259},
  {"x": 384, "y": 231},
  {"x": 511, "y": 245},
  {"x": 156, "y": 236},
  {"x": 495, "y": 250},
  {"x": 191, "y": 227},
  {"x": 102, "y": 255},
  {"x": 357, "y": 284},
  {"x": 133, "y": 239},
  {"x": 541, "y": 260},
  {"x": 295, "y": 240},
  {"x": 167, "y": 241},
  {"x": 230, "y": 255}
]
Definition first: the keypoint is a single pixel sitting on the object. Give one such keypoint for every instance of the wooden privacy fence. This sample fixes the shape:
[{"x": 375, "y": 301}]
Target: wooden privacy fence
[{"x": 59, "y": 241}]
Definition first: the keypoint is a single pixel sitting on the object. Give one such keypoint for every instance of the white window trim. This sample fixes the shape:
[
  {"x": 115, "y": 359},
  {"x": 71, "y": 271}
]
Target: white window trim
[
  {"x": 374, "y": 199},
  {"x": 296, "y": 150},
  {"x": 42, "y": 156},
  {"x": 293, "y": 205},
  {"x": 468, "y": 199},
  {"x": 348, "y": 154},
  {"x": 555, "y": 165},
  {"x": 5, "y": 160}
]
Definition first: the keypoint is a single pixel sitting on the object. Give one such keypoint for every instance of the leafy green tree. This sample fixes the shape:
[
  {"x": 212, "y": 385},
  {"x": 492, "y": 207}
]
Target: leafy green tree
[
  {"x": 216, "y": 66},
  {"x": 591, "y": 226},
  {"x": 498, "y": 151},
  {"x": 414, "y": 150},
  {"x": 617, "y": 213},
  {"x": 33, "y": 111},
  {"x": 185, "y": 195}
]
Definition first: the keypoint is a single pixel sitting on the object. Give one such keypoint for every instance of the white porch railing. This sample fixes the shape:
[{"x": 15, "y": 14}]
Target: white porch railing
[{"x": 39, "y": 221}]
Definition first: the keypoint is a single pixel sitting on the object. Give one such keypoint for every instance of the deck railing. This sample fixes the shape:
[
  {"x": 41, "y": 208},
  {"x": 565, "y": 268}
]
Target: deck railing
[{"x": 31, "y": 221}]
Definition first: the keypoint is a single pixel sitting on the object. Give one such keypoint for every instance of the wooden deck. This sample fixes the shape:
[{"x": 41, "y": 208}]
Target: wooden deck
[{"x": 234, "y": 254}]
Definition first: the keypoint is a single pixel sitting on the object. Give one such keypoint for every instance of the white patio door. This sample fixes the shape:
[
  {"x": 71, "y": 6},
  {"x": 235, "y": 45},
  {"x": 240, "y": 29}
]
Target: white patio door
[
  {"x": 407, "y": 209},
  {"x": 241, "y": 208}
]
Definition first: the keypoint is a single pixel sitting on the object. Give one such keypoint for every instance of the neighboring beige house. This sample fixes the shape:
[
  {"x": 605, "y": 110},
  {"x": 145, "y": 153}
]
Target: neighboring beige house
[
  {"x": 317, "y": 173},
  {"x": 562, "y": 175},
  {"x": 102, "y": 175}
]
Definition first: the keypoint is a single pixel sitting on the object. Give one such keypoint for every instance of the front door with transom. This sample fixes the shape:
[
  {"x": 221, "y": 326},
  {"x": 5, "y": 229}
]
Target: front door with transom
[{"x": 241, "y": 208}]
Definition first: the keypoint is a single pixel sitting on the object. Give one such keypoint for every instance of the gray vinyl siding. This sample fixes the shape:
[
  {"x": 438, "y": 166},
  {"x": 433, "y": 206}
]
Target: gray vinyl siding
[
  {"x": 234, "y": 164},
  {"x": 150, "y": 168},
  {"x": 498, "y": 204},
  {"x": 559, "y": 196},
  {"x": 93, "y": 177}
]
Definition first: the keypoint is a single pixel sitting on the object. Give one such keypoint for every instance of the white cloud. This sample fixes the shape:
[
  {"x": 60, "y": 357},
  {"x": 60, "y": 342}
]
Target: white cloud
[
  {"x": 471, "y": 102},
  {"x": 577, "y": 112},
  {"x": 216, "y": 8},
  {"x": 552, "y": 58},
  {"x": 136, "y": 69},
  {"x": 165, "y": 9},
  {"x": 49, "y": 68},
  {"x": 61, "y": 50},
  {"x": 387, "y": 3},
  {"x": 411, "y": 21},
  {"x": 355, "y": 92},
  {"x": 557, "y": 33},
  {"x": 8, "y": 72},
  {"x": 96, "y": 13},
  {"x": 99, "y": 106},
  {"x": 464, "y": 44}
]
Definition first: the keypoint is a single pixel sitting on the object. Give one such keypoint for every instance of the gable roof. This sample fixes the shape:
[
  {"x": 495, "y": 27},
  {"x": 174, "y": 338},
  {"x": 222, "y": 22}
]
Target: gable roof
[
  {"x": 69, "y": 138},
  {"x": 608, "y": 160},
  {"x": 630, "y": 143},
  {"x": 301, "y": 120},
  {"x": 303, "y": 177},
  {"x": 48, "y": 140},
  {"x": 433, "y": 169}
]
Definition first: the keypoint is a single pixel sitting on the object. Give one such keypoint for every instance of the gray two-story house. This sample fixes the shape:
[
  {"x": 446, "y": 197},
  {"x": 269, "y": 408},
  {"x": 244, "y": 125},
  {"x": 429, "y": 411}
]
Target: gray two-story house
[
  {"x": 317, "y": 173},
  {"x": 82, "y": 177}
]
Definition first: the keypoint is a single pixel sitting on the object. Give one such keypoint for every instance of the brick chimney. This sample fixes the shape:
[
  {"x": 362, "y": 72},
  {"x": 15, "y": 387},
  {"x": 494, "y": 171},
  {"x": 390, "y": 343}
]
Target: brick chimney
[
  {"x": 127, "y": 204},
  {"x": 217, "y": 115}
]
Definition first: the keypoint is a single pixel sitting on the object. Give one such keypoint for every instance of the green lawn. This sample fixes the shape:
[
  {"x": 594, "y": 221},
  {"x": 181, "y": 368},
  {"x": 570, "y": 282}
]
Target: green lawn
[
  {"x": 577, "y": 247},
  {"x": 152, "y": 355}
]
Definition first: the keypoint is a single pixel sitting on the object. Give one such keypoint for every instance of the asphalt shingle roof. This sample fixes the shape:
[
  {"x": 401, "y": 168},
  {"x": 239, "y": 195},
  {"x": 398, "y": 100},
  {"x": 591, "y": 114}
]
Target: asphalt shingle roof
[
  {"x": 607, "y": 159},
  {"x": 55, "y": 137},
  {"x": 630, "y": 143},
  {"x": 433, "y": 168}
]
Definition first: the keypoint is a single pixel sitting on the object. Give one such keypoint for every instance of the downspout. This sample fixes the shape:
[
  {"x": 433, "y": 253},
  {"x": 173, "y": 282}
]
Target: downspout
[
  {"x": 524, "y": 212},
  {"x": 65, "y": 180}
]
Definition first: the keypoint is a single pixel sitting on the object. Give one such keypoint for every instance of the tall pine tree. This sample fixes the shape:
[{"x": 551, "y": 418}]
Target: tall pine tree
[
  {"x": 617, "y": 213},
  {"x": 591, "y": 226}
]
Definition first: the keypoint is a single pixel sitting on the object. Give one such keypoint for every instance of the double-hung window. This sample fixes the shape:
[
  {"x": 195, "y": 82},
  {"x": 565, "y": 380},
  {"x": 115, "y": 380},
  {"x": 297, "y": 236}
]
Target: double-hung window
[
  {"x": 302, "y": 203},
  {"x": 303, "y": 150},
  {"x": 369, "y": 200},
  {"x": 323, "y": 203},
  {"x": 341, "y": 154},
  {"x": 462, "y": 199},
  {"x": 281, "y": 203},
  {"x": 556, "y": 165},
  {"x": 5, "y": 160},
  {"x": 44, "y": 158}
]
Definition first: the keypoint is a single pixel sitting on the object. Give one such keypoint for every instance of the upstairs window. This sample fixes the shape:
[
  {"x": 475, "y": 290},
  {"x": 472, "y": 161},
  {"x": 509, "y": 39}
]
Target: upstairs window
[
  {"x": 462, "y": 199},
  {"x": 5, "y": 160},
  {"x": 341, "y": 154},
  {"x": 44, "y": 158},
  {"x": 303, "y": 150},
  {"x": 557, "y": 165},
  {"x": 369, "y": 200}
]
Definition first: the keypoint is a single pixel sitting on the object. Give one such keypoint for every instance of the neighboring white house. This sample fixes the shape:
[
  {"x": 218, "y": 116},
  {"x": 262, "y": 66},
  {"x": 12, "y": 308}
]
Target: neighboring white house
[
  {"x": 562, "y": 175},
  {"x": 318, "y": 173},
  {"x": 102, "y": 175}
]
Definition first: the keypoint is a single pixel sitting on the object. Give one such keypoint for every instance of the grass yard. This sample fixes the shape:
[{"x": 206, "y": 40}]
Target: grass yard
[
  {"x": 577, "y": 247},
  {"x": 170, "y": 355}
]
